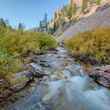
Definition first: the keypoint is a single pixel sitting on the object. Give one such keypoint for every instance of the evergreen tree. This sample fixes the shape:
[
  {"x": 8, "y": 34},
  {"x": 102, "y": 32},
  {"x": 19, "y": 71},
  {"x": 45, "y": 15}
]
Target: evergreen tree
[
  {"x": 21, "y": 26},
  {"x": 46, "y": 22},
  {"x": 3, "y": 23}
]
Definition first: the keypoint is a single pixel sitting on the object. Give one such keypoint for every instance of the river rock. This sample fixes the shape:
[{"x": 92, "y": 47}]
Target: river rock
[
  {"x": 37, "y": 70},
  {"x": 102, "y": 75},
  {"x": 20, "y": 80},
  {"x": 36, "y": 67}
]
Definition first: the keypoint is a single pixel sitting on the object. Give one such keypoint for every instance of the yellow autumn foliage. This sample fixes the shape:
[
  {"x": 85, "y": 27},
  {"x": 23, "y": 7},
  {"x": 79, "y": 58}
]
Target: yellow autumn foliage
[
  {"x": 14, "y": 44},
  {"x": 95, "y": 43}
]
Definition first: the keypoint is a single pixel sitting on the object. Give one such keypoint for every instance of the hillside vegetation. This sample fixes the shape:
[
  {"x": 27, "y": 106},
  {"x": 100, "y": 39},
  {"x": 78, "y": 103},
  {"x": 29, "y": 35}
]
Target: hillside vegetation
[
  {"x": 91, "y": 44},
  {"x": 14, "y": 44},
  {"x": 72, "y": 13},
  {"x": 98, "y": 19}
]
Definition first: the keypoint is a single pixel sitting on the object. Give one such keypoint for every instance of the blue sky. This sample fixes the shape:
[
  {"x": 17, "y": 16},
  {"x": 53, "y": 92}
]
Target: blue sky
[{"x": 29, "y": 12}]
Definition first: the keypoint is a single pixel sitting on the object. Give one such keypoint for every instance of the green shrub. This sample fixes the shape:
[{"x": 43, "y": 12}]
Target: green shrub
[
  {"x": 9, "y": 64},
  {"x": 18, "y": 43},
  {"x": 14, "y": 44},
  {"x": 46, "y": 42},
  {"x": 94, "y": 43}
]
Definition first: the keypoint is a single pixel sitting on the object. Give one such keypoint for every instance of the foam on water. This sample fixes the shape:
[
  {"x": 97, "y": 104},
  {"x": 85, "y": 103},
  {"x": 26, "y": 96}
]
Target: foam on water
[{"x": 75, "y": 94}]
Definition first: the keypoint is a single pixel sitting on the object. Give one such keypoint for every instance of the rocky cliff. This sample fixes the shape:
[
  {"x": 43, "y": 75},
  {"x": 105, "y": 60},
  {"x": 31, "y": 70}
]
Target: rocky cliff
[
  {"x": 72, "y": 12},
  {"x": 101, "y": 18}
]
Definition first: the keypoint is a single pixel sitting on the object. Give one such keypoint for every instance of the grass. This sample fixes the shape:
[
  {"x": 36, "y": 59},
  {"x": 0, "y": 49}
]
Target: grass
[
  {"x": 93, "y": 44},
  {"x": 14, "y": 44}
]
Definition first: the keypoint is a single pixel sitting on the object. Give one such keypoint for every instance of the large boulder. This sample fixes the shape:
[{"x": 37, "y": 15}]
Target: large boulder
[
  {"x": 15, "y": 83},
  {"x": 20, "y": 80},
  {"x": 101, "y": 75}
]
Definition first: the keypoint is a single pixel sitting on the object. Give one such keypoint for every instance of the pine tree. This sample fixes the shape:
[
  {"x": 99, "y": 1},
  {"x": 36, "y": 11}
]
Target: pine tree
[
  {"x": 21, "y": 26},
  {"x": 3, "y": 23}
]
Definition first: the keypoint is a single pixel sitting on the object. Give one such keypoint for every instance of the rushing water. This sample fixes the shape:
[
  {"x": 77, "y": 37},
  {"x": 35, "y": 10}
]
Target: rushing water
[{"x": 67, "y": 88}]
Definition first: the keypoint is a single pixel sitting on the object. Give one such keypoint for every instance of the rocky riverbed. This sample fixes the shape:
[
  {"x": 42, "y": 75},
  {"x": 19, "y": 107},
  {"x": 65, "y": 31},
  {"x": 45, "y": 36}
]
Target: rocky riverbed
[{"x": 60, "y": 84}]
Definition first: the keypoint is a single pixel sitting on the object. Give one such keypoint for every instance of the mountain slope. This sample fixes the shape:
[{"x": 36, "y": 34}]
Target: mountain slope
[{"x": 99, "y": 19}]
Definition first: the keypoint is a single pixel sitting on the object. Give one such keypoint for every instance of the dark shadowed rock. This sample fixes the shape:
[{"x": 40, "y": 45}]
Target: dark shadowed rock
[
  {"x": 86, "y": 59},
  {"x": 101, "y": 8},
  {"x": 102, "y": 75},
  {"x": 4, "y": 89}
]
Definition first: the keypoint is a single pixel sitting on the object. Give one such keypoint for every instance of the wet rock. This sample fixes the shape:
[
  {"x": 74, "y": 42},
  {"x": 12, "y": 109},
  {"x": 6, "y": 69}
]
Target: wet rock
[
  {"x": 67, "y": 74},
  {"x": 35, "y": 59},
  {"x": 58, "y": 75},
  {"x": 44, "y": 64},
  {"x": 102, "y": 75},
  {"x": 37, "y": 70},
  {"x": 74, "y": 69},
  {"x": 53, "y": 51},
  {"x": 20, "y": 80},
  {"x": 86, "y": 59}
]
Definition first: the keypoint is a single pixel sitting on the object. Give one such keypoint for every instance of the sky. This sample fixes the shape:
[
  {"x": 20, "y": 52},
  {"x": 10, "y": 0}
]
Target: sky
[{"x": 28, "y": 12}]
